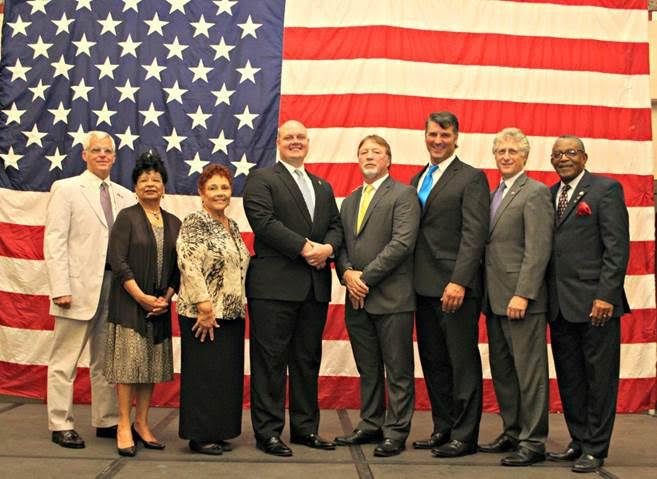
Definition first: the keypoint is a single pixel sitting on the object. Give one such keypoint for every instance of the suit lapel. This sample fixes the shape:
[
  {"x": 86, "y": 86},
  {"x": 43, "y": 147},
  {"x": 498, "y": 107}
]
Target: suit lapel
[
  {"x": 508, "y": 198},
  {"x": 294, "y": 190},
  {"x": 319, "y": 198},
  {"x": 378, "y": 194},
  {"x": 444, "y": 179},
  {"x": 581, "y": 190},
  {"x": 93, "y": 197}
]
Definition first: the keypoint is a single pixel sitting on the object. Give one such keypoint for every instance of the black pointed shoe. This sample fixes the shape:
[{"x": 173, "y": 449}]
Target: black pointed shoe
[
  {"x": 437, "y": 439},
  {"x": 389, "y": 447},
  {"x": 274, "y": 446},
  {"x": 453, "y": 448},
  {"x": 314, "y": 441},
  {"x": 572, "y": 453},
  {"x": 587, "y": 463},
  {"x": 147, "y": 444},
  {"x": 68, "y": 438},
  {"x": 502, "y": 443},
  {"x": 523, "y": 457},
  {"x": 359, "y": 437},
  {"x": 209, "y": 448}
]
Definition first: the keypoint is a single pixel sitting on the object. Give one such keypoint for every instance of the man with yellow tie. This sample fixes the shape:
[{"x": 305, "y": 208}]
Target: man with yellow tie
[{"x": 380, "y": 222}]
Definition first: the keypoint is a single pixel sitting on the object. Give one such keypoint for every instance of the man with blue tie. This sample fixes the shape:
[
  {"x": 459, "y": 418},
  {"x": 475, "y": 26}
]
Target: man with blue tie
[{"x": 454, "y": 225}]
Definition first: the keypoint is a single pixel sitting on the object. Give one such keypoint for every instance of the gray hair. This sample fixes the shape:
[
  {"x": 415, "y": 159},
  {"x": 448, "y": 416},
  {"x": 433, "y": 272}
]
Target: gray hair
[
  {"x": 515, "y": 135},
  {"x": 100, "y": 135},
  {"x": 579, "y": 141}
]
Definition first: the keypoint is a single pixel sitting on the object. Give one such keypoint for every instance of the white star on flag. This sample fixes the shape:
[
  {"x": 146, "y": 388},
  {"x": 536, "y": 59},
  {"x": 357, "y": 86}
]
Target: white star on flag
[
  {"x": 78, "y": 136},
  {"x": 246, "y": 118},
  {"x": 177, "y": 5},
  {"x": 81, "y": 90},
  {"x": 175, "y": 93},
  {"x": 62, "y": 24},
  {"x": 19, "y": 71},
  {"x": 19, "y": 26},
  {"x": 199, "y": 118},
  {"x": 127, "y": 91},
  {"x": 10, "y": 158},
  {"x": 151, "y": 115},
  {"x": 39, "y": 91},
  {"x": 130, "y": 4},
  {"x": 34, "y": 136},
  {"x": 222, "y": 50},
  {"x": 40, "y": 48},
  {"x": 109, "y": 24},
  {"x": 106, "y": 69},
  {"x": 221, "y": 143},
  {"x": 202, "y": 27},
  {"x": 175, "y": 49},
  {"x": 83, "y": 46},
  {"x": 38, "y": 5},
  {"x": 56, "y": 159},
  {"x": 83, "y": 4},
  {"x": 60, "y": 114},
  {"x": 196, "y": 165},
  {"x": 174, "y": 140},
  {"x": 243, "y": 166},
  {"x": 127, "y": 139},
  {"x": 104, "y": 115},
  {"x": 13, "y": 114},
  {"x": 223, "y": 95},
  {"x": 153, "y": 70},
  {"x": 61, "y": 68},
  {"x": 129, "y": 47},
  {"x": 200, "y": 72},
  {"x": 249, "y": 27},
  {"x": 155, "y": 25},
  {"x": 248, "y": 72},
  {"x": 225, "y": 6}
]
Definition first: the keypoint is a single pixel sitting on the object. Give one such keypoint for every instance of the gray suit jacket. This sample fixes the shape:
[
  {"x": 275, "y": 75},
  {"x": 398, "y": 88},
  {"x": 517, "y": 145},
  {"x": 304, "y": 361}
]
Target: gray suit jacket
[
  {"x": 383, "y": 249},
  {"x": 518, "y": 247}
]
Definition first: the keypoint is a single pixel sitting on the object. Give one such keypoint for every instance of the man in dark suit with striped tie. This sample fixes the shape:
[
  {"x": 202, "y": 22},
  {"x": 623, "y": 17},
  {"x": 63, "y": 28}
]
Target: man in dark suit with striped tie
[{"x": 297, "y": 229}]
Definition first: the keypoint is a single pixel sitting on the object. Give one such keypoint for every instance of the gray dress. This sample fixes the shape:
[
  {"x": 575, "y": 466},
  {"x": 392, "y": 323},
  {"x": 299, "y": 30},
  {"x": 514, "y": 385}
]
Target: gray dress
[{"x": 131, "y": 358}]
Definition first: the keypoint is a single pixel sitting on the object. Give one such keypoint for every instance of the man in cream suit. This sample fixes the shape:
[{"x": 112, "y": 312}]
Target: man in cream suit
[
  {"x": 380, "y": 223},
  {"x": 516, "y": 257},
  {"x": 79, "y": 217}
]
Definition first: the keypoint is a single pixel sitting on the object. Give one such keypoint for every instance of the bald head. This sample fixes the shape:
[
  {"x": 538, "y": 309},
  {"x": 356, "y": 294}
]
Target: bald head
[{"x": 292, "y": 142}]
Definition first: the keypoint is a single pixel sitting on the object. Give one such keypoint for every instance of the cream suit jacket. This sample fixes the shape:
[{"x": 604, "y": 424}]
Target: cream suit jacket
[{"x": 75, "y": 242}]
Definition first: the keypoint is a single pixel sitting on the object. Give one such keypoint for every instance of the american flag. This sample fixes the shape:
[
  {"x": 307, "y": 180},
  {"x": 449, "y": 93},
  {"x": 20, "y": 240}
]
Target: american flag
[{"x": 208, "y": 81}]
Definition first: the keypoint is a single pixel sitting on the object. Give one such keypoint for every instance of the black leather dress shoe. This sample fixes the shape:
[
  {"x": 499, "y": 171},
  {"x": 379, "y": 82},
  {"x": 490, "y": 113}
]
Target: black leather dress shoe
[
  {"x": 209, "y": 448},
  {"x": 225, "y": 445},
  {"x": 587, "y": 463},
  {"x": 453, "y": 448},
  {"x": 523, "y": 457},
  {"x": 274, "y": 446},
  {"x": 570, "y": 454},
  {"x": 389, "y": 447},
  {"x": 314, "y": 441},
  {"x": 147, "y": 444},
  {"x": 106, "y": 432},
  {"x": 359, "y": 437},
  {"x": 68, "y": 438},
  {"x": 436, "y": 439},
  {"x": 503, "y": 443}
]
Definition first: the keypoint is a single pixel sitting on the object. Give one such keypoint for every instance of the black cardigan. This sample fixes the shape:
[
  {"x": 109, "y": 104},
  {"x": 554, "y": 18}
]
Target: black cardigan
[{"x": 133, "y": 255}]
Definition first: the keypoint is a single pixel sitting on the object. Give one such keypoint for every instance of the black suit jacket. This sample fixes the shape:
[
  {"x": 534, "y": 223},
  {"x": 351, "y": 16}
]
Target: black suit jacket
[
  {"x": 453, "y": 231},
  {"x": 280, "y": 220},
  {"x": 590, "y": 251}
]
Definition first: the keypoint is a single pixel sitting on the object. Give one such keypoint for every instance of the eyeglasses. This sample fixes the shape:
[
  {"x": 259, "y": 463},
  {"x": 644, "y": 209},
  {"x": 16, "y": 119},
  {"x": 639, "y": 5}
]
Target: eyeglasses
[
  {"x": 571, "y": 153},
  {"x": 507, "y": 151},
  {"x": 97, "y": 151}
]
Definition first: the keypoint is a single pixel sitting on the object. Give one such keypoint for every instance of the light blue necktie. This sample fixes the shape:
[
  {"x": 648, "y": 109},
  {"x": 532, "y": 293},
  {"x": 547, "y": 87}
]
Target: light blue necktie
[
  {"x": 305, "y": 191},
  {"x": 427, "y": 183}
]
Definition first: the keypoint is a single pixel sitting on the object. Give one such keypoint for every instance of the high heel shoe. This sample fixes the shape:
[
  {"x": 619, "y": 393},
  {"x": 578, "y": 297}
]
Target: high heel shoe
[
  {"x": 127, "y": 451},
  {"x": 147, "y": 444}
]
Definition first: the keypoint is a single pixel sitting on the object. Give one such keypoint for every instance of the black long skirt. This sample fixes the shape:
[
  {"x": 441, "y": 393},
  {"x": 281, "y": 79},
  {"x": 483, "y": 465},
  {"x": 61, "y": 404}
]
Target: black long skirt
[{"x": 211, "y": 382}]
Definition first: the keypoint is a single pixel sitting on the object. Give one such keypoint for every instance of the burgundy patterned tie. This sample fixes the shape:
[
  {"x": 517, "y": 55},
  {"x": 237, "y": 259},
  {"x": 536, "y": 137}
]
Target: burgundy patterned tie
[{"x": 563, "y": 201}]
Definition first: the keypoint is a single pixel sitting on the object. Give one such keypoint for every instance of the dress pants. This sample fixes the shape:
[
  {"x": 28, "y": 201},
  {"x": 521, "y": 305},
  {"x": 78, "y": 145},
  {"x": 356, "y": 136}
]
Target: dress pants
[
  {"x": 587, "y": 360},
  {"x": 383, "y": 348},
  {"x": 449, "y": 353},
  {"x": 285, "y": 335},
  {"x": 69, "y": 339},
  {"x": 518, "y": 362}
]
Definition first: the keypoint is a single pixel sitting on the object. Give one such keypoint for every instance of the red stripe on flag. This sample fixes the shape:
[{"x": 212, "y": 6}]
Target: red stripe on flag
[
  {"x": 335, "y": 392},
  {"x": 21, "y": 241},
  {"x": 463, "y": 48},
  {"x": 25, "y": 311},
  {"x": 410, "y": 112},
  {"x": 616, "y": 4}
]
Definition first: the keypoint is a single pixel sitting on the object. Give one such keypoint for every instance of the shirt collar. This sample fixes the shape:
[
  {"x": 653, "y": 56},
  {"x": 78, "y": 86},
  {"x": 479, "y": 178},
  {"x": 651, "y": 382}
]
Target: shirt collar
[
  {"x": 376, "y": 184},
  {"x": 93, "y": 180},
  {"x": 443, "y": 165},
  {"x": 291, "y": 168},
  {"x": 574, "y": 182},
  {"x": 510, "y": 181}
]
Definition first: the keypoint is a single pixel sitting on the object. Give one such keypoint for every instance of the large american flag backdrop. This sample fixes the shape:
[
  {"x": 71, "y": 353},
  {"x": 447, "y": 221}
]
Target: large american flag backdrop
[{"x": 208, "y": 81}]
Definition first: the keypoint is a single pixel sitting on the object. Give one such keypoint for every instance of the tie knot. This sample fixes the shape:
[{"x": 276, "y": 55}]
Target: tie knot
[
  {"x": 368, "y": 189},
  {"x": 103, "y": 185},
  {"x": 298, "y": 172},
  {"x": 565, "y": 188},
  {"x": 503, "y": 186},
  {"x": 432, "y": 168}
]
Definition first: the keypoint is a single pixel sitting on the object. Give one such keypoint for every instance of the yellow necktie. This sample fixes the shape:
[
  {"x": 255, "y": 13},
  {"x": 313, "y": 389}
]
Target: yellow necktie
[{"x": 364, "y": 203}]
